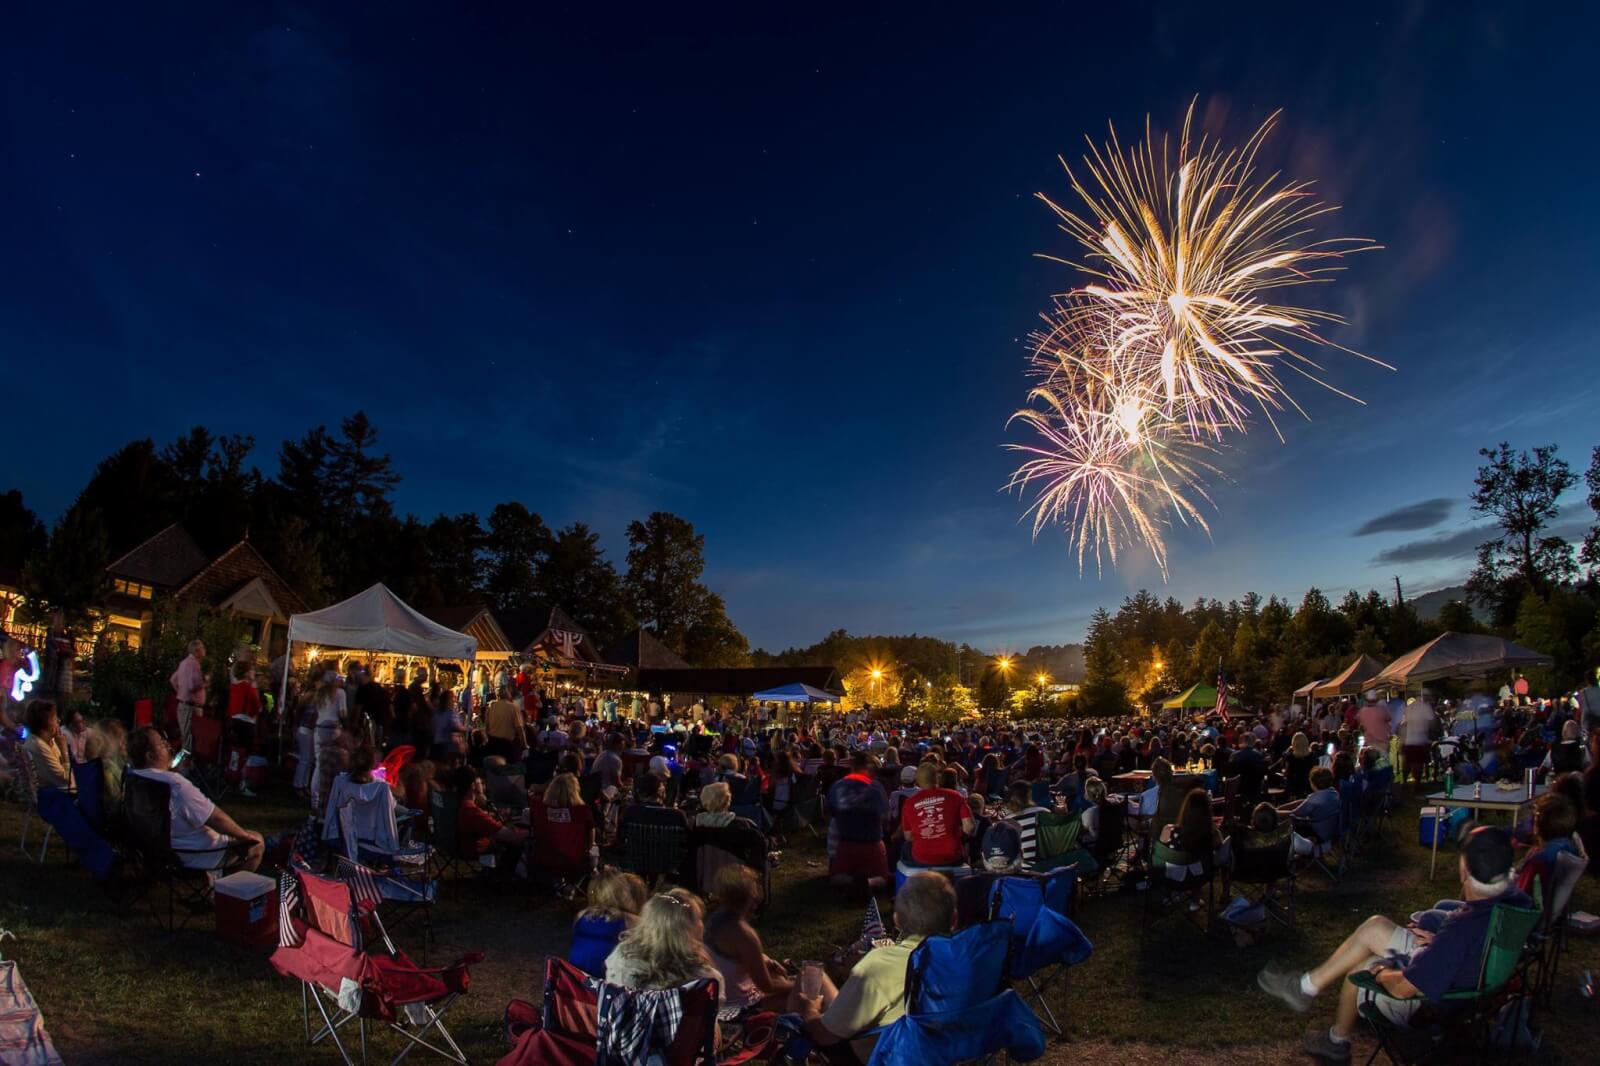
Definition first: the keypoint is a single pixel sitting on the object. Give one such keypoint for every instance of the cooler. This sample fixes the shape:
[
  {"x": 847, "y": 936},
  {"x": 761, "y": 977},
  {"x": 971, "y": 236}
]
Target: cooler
[
  {"x": 255, "y": 771},
  {"x": 247, "y": 910},
  {"x": 1445, "y": 821}
]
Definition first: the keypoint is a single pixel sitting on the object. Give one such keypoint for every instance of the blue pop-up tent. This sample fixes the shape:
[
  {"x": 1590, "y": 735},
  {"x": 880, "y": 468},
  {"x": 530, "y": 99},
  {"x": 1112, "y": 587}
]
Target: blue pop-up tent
[{"x": 795, "y": 693}]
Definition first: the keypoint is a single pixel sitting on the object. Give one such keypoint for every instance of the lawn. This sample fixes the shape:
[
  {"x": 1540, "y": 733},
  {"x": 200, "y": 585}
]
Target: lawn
[{"x": 115, "y": 988}]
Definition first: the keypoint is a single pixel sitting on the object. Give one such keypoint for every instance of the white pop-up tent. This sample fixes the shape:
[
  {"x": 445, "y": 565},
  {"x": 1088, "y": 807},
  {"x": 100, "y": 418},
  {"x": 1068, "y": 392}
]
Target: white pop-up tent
[{"x": 374, "y": 620}]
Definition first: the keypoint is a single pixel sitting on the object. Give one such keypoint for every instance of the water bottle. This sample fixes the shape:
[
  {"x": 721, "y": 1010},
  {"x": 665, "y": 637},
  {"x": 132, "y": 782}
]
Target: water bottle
[
  {"x": 1450, "y": 781},
  {"x": 1586, "y": 985},
  {"x": 1477, "y": 790}
]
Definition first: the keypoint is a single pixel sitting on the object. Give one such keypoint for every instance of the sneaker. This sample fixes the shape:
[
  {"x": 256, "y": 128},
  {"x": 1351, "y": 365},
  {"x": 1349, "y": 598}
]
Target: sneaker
[
  {"x": 1284, "y": 985},
  {"x": 1319, "y": 1045}
]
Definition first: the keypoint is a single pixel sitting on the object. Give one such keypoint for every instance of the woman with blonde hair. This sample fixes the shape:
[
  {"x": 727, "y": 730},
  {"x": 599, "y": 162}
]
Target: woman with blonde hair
[
  {"x": 563, "y": 829},
  {"x": 666, "y": 948},
  {"x": 1297, "y": 764},
  {"x": 108, "y": 742},
  {"x": 615, "y": 899}
]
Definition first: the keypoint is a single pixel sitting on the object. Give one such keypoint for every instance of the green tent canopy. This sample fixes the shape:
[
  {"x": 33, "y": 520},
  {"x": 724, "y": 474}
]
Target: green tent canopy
[{"x": 1197, "y": 697}]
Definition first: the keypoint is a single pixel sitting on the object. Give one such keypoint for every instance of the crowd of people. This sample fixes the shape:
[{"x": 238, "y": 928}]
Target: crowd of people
[{"x": 550, "y": 785}]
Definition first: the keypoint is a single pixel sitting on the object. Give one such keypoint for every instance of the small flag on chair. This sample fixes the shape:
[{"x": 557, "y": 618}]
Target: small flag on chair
[
  {"x": 364, "y": 891},
  {"x": 288, "y": 904},
  {"x": 872, "y": 926}
]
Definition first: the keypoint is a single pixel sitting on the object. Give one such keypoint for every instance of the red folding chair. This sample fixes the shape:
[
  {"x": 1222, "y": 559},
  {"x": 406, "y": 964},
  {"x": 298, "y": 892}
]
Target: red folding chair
[{"x": 338, "y": 950}]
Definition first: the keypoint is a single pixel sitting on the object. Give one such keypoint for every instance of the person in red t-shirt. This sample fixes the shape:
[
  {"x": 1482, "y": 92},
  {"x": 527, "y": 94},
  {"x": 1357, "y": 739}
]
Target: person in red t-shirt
[
  {"x": 477, "y": 831},
  {"x": 935, "y": 821}
]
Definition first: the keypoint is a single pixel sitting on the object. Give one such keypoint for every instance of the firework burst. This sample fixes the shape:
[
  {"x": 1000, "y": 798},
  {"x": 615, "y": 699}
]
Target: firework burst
[{"x": 1180, "y": 335}]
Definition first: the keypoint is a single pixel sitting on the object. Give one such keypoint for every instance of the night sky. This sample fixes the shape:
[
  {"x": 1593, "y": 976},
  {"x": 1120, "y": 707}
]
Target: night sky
[{"x": 772, "y": 271}]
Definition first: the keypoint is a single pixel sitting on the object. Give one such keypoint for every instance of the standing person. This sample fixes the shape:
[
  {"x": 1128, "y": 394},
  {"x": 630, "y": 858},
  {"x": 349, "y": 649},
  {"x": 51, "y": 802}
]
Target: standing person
[
  {"x": 189, "y": 683},
  {"x": 1416, "y": 731},
  {"x": 328, "y": 705},
  {"x": 506, "y": 726},
  {"x": 244, "y": 704},
  {"x": 305, "y": 732},
  {"x": 1376, "y": 725},
  {"x": 449, "y": 728}
]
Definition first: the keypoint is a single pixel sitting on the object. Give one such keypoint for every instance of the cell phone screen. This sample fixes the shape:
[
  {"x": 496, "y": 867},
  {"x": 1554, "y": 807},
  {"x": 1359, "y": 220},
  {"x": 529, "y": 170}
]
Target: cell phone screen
[{"x": 178, "y": 758}]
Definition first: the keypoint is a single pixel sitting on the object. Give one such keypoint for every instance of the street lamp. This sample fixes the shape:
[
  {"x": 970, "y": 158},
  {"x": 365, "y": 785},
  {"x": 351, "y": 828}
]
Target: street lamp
[{"x": 1043, "y": 679}]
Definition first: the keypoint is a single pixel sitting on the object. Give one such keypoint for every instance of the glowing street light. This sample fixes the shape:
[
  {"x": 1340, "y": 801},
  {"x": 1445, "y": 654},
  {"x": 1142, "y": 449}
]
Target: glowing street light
[{"x": 1043, "y": 679}]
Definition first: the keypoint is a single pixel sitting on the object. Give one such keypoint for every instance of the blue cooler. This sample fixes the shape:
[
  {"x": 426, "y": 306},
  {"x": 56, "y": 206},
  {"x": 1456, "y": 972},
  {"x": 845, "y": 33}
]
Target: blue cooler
[{"x": 1445, "y": 821}]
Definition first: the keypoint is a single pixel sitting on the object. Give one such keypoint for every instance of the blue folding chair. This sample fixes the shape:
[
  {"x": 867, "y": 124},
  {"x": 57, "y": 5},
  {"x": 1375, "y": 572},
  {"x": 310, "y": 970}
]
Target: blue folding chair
[
  {"x": 89, "y": 782},
  {"x": 1001, "y": 1023},
  {"x": 1045, "y": 943},
  {"x": 59, "y": 810}
]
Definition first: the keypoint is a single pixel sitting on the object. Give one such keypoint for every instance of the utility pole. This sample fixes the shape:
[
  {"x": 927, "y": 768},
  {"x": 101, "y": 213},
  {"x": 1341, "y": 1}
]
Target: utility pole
[{"x": 1399, "y": 599}]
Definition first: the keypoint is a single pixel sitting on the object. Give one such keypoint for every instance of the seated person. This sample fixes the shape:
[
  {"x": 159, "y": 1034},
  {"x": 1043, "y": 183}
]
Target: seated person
[
  {"x": 935, "y": 822},
  {"x": 562, "y": 828},
  {"x": 1094, "y": 793},
  {"x": 1001, "y": 850},
  {"x": 46, "y": 747},
  {"x": 202, "y": 833},
  {"x": 856, "y": 806},
  {"x": 716, "y": 801},
  {"x": 647, "y": 807},
  {"x": 480, "y": 834},
  {"x": 751, "y": 979},
  {"x": 1195, "y": 833},
  {"x": 1321, "y": 808},
  {"x": 875, "y": 993},
  {"x": 374, "y": 804},
  {"x": 615, "y": 899},
  {"x": 75, "y": 730},
  {"x": 1555, "y": 820},
  {"x": 1248, "y": 765},
  {"x": 1414, "y": 967},
  {"x": 1024, "y": 813},
  {"x": 108, "y": 742},
  {"x": 980, "y": 825},
  {"x": 665, "y": 948}
]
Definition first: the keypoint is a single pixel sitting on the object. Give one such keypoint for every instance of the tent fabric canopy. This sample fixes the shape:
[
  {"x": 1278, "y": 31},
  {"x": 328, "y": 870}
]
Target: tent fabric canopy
[
  {"x": 1458, "y": 655},
  {"x": 1307, "y": 689},
  {"x": 1351, "y": 679},
  {"x": 1196, "y": 696},
  {"x": 378, "y": 620},
  {"x": 797, "y": 692}
]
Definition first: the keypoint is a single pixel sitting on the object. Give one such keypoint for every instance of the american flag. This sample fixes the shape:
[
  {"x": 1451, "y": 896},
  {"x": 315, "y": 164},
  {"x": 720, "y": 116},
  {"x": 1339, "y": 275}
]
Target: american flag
[
  {"x": 288, "y": 905},
  {"x": 872, "y": 925},
  {"x": 1222, "y": 692},
  {"x": 364, "y": 891}
]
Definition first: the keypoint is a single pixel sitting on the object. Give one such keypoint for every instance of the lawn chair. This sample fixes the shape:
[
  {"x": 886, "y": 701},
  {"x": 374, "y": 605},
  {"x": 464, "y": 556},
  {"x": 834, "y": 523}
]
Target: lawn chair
[
  {"x": 1550, "y": 938},
  {"x": 1350, "y": 790},
  {"x": 59, "y": 810},
  {"x": 401, "y": 881},
  {"x": 735, "y": 844},
  {"x": 578, "y": 1024},
  {"x": 1045, "y": 944},
  {"x": 206, "y": 744},
  {"x": 1321, "y": 849},
  {"x": 444, "y": 809},
  {"x": 147, "y": 806},
  {"x": 28, "y": 782},
  {"x": 559, "y": 849},
  {"x": 1468, "y": 1016},
  {"x": 805, "y": 806},
  {"x": 89, "y": 783},
  {"x": 1108, "y": 850},
  {"x": 957, "y": 1006},
  {"x": 1266, "y": 869},
  {"x": 747, "y": 804},
  {"x": 329, "y": 943},
  {"x": 655, "y": 849},
  {"x": 1173, "y": 868},
  {"x": 540, "y": 765},
  {"x": 1057, "y": 844}
]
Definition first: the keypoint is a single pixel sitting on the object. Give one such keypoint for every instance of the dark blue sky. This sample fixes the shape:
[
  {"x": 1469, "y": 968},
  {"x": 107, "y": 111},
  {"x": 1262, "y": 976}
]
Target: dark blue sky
[{"x": 770, "y": 270}]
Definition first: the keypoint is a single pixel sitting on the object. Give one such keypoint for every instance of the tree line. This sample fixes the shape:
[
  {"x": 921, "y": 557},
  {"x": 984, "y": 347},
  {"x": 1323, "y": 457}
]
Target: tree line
[
  {"x": 327, "y": 522},
  {"x": 1529, "y": 584}
]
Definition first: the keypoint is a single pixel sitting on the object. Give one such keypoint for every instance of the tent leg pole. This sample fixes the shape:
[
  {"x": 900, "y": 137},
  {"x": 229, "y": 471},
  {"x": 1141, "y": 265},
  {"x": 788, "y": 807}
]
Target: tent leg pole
[{"x": 283, "y": 695}]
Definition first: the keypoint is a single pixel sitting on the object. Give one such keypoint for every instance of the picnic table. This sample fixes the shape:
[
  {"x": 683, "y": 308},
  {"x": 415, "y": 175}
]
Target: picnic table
[{"x": 1494, "y": 798}]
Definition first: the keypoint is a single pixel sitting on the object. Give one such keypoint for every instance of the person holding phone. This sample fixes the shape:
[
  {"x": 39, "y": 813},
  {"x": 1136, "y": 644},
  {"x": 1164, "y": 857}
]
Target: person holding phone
[{"x": 208, "y": 838}]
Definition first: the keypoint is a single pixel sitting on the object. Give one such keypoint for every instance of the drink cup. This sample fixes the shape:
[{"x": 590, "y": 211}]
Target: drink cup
[{"x": 811, "y": 979}]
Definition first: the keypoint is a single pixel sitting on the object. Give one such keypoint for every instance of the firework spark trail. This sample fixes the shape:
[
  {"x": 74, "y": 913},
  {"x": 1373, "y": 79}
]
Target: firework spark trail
[{"x": 1179, "y": 338}]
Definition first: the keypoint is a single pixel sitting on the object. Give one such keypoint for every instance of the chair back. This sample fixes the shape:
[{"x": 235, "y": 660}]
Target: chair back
[
  {"x": 1056, "y": 836},
  {"x": 88, "y": 779},
  {"x": 994, "y": 784},
  {"x": 716, "y": 847},
  {"x": 1509, "y": 930},
  {"x": 696, "y": 1039},
  {"x": 1262, "y": 858},
  {"x": 975, "y": 1033},
  {"x": 507, "y": 790},
  {"x": 589, "y": 786},
  {"x": 651, "y": 849},
  {"x": 960, "y": 970},
  {"x": 1350, "y": 791},
  {"x": 147, "y": 809},
  {"x": 541, "y": 765},
  {"x": 1108, "y": 841},
  {"x": 444, "y": 809},
  {"x": 1231, "y": 793},
  {"x": 1169, "y": 800},
  {"x": 205, "y": 735},
  {"x": 329, "y": 908},
  {"x": 1569, "y": 871},
  {"x": 1040, "y": 793}
]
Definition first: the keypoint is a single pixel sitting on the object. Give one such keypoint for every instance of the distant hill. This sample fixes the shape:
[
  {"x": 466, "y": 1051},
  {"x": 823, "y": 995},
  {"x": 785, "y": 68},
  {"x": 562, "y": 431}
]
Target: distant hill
[
  {"x": 1063, "y": 662},
  {"x": 1429, "y": 604}
]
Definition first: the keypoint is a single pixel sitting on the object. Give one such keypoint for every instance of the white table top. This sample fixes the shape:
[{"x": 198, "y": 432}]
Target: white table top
[{"x": 1462, "y": 795}]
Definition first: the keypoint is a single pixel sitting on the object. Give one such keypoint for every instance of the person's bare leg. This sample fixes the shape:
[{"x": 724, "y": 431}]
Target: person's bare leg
[
  {"x": 1344, "y": 1019},
  {"x": 1360, "y": 948}
]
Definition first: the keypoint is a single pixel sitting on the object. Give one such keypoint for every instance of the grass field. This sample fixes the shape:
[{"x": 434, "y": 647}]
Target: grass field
[{"x": 115, "y": 988}]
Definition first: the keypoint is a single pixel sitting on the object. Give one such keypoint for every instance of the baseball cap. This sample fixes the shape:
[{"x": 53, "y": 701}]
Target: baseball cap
[
  {"x": 1488, "y": 854},
  {"x": 908, "y": 774},
  {"x": 1002, "y": 846}
]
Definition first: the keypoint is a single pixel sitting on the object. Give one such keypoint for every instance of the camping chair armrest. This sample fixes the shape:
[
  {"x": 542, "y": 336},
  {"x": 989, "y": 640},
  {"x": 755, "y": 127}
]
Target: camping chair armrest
[
  {"x": 1368, "y": 981},
  {"x": 229, "y": 844}
]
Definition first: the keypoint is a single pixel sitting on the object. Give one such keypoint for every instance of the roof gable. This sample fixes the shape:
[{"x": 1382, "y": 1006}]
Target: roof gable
[
  {"x": 228, "y": 574},
  {"x": 165, "y": 561}
]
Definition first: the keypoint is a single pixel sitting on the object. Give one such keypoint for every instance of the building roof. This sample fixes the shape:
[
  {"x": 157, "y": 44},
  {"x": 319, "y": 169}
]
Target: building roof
[
  {"x": 641, "y": 649},
  {"x": 475, "y": 620},
  {"x": 227, "y": 576},
  {"x": 528, "y": 628},
  {"x": 738, "y": 681},
  {"x": 166, "y": 560}
]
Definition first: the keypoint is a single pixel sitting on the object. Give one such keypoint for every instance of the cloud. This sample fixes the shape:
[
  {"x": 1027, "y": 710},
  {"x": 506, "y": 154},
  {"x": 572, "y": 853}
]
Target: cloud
[
  {"x": 1461, "y": 544},
  {"x": 1423, "y": 515}
]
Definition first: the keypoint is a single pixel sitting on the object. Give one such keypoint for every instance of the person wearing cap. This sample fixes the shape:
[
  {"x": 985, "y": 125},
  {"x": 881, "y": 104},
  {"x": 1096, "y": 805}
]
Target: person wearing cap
[
  {"x": 1414, "y": 966},
  {"x": 1376, "y": 725}
]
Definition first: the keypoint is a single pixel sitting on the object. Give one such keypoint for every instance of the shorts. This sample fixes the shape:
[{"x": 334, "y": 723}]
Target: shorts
[{"x": 1402, "y": 943}]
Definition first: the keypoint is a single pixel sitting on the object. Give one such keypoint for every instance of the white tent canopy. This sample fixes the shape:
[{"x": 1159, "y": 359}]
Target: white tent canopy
[
  {"x": 378, "y": 620},
  {"x": 795, "y": 693},
  {"x": 1458, "y": 655}
]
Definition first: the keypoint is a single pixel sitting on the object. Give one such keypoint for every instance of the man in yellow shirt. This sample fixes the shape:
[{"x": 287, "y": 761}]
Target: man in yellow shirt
[
  {"x": 875, "y": 993},
  {"x": 504, "y": 722}
]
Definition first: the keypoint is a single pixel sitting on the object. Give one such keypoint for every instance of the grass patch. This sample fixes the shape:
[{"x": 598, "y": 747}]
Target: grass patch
[{"x": 115, "y": 988}]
